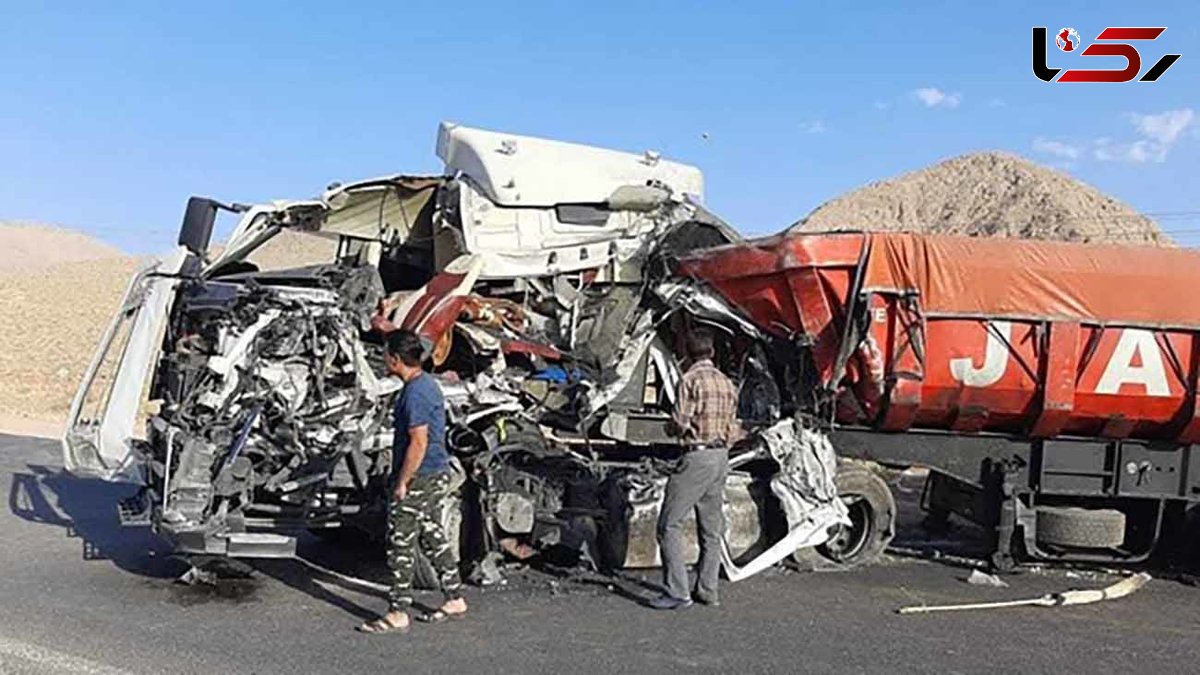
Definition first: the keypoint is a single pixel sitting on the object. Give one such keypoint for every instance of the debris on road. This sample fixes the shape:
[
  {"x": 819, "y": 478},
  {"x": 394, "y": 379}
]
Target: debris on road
[
  {"x": 1118, "y": 590},
  {"x": 941, "y": 557},
  {"x": 978, "y": 578}
]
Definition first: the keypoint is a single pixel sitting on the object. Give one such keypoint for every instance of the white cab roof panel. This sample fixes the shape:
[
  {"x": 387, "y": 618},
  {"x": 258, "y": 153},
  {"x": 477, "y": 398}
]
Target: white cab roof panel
[{"x": 523, "y": 171}]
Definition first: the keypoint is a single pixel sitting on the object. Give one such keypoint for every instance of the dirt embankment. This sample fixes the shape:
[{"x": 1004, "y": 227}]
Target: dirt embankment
[
  {"x": 26, "y": 247},
  {"x": 55, "y": 307},
  {"x": 52, "y": 320}
]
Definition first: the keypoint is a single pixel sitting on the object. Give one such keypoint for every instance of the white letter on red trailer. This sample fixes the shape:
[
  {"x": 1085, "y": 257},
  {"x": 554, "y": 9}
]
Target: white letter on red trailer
[
  {"x": 995, "y": 359},
  {"x": 1121, "y": 369}
]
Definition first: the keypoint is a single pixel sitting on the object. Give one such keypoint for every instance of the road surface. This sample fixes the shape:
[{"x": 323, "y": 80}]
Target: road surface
[{"x": 79, "y": 594}]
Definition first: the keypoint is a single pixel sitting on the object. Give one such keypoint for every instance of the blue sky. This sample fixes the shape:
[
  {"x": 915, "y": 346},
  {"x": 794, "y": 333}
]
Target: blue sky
[{"x": 110, "y": 118}]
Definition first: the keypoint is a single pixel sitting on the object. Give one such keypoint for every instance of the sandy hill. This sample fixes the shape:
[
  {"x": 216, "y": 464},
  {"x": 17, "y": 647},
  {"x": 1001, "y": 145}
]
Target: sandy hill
[
  {"x": 987, "y": 194},
  {"x": 50, "y": 322},
  {"x": 52, "y": 315},
  {"x": 294, "y": 249},
  {"x": 29, "y": 246}
]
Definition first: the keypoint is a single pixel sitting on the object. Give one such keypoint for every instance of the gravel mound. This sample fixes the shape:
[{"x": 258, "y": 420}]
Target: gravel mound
[
  {"x": 987, "y": 194},
  {"x": 29, "y": 246}
]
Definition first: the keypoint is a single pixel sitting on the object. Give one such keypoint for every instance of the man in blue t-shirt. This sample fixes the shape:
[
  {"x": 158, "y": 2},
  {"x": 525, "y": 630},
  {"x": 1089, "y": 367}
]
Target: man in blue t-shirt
[{"x": 420, "y": 483}]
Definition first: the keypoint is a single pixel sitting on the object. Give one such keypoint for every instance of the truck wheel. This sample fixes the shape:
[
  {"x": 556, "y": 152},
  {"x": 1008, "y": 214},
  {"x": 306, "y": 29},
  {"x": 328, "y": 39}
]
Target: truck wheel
[
  {"x": 1080, "y": 528},
  {"x": 872, "y": 522}
]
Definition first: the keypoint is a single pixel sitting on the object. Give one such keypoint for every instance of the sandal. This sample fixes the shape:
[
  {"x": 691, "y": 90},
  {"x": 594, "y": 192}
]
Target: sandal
[
  {"x": 383, "y": 625},
  {"x": 439, "y": 616}
]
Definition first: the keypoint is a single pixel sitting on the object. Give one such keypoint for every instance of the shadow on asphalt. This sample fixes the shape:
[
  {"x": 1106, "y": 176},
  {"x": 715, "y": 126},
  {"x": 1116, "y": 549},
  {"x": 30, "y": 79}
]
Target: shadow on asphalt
[
  {"x": 363, "y": 559},
  {"x": 86, "y": 510},
  {"x": 297, "y": 577}
]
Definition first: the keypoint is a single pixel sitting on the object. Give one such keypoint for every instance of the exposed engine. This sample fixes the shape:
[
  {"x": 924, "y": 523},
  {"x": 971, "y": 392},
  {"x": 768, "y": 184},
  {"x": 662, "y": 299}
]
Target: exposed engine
[{"x": 271, "y": 404}]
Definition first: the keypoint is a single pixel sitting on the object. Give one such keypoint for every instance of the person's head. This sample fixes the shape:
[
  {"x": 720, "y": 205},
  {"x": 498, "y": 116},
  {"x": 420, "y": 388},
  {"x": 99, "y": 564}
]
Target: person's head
[
  {"x": 700, "y": 344},
  {"x": 403, "y": 353}
]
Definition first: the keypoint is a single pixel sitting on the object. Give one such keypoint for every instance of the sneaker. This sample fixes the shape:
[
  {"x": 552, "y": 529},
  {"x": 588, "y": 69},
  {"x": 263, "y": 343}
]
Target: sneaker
[
  {"x": 706, "y": 599},
  {"x": 665, "y": 601}
]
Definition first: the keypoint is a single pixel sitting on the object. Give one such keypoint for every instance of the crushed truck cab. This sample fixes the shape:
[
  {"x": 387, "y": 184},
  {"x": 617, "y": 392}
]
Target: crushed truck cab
[{"x": 539, "y": 274}]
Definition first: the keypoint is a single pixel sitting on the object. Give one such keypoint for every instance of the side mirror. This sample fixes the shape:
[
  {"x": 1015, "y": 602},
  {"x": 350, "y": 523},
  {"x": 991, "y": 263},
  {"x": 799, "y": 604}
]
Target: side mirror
[
  {"x": 641, "y": 198},
  {"x": 197, "y": 228}
]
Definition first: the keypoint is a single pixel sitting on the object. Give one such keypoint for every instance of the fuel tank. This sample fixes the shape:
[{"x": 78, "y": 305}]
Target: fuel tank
[{"x": 1031, "y": 339}]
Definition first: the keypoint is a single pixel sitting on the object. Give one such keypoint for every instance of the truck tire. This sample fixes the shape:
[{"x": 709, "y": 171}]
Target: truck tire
[
  {"x": 1080, "y": 528},
  {"x": 873, "y": 523}
]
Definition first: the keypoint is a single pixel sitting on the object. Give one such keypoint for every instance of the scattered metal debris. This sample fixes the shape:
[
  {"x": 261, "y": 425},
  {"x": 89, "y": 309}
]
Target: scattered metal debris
[
  {"x": 935, "y": 555},
  {"x": 978, "y": 578},
  {"x": 1066, "y": 598},
  {"x": 194, "y": 576}
]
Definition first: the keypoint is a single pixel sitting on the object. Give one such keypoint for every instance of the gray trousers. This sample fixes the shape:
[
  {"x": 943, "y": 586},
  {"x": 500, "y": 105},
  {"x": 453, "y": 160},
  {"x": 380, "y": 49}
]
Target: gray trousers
[{"x": 698, "y": 484}]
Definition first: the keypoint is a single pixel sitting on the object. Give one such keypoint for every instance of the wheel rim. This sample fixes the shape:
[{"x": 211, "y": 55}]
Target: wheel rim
[{"x": 849, "y": 541}]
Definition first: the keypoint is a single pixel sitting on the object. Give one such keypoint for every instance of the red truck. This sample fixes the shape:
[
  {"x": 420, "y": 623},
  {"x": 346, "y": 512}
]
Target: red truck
[{"x": 1050, "y": 388}]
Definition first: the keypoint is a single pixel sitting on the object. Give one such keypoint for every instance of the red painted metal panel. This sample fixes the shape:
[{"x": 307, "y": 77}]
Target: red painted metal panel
[
  {"x": 1058, "y": 379},
  {"x": 1190, "y": 417},
  {"x": 905, "y": 368},
  {"x": 1025, "y": 338}
]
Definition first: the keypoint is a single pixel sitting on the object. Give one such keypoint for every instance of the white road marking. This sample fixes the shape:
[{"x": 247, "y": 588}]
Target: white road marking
[{"x": 14, "y": 654}]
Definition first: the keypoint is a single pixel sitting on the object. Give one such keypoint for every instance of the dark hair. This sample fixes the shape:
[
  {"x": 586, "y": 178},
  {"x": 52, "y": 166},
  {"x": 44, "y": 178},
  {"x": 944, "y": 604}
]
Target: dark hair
[
  {"x": 700, "y": 343},
  {"x": 405, "y": 345}
]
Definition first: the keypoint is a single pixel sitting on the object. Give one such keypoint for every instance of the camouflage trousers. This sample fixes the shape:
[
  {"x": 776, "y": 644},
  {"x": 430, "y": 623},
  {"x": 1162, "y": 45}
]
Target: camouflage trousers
[{"x": 417, "y": 521}]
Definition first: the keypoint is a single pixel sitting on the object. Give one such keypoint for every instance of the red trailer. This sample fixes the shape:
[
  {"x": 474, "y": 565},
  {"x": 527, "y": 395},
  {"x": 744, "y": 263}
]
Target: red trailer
[{"x": 1050, "y": 387}]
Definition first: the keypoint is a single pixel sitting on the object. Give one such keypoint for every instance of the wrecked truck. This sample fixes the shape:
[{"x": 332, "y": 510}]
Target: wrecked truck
[
  {"x": 1050, "y": 388},
  {"x": 252, "y": 405}
]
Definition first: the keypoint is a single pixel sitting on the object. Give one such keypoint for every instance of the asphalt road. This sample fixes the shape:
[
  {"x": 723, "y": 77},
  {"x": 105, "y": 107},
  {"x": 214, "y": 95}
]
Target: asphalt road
[{"x": 79, "y": 594}]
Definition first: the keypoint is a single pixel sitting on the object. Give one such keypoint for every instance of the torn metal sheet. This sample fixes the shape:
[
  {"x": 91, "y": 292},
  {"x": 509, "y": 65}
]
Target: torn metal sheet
[
  {"x": 686, "y": 295},
  {"x": 811, "y": 532},
  {"x": 632, "y": 350},
  {"x": 807, "y": 464},
  {"x": 805, "y": 488}
]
